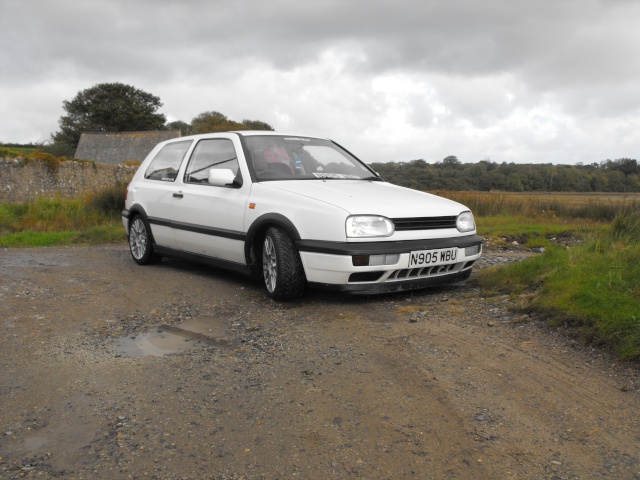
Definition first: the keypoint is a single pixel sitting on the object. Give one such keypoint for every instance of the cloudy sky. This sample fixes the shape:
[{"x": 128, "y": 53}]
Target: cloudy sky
[{"x": 526, "y": 81}]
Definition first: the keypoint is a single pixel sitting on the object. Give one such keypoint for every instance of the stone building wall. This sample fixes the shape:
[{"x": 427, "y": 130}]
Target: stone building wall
[
  {"x": 24, "y": 181},
  {"x": 120, "y": 147}
]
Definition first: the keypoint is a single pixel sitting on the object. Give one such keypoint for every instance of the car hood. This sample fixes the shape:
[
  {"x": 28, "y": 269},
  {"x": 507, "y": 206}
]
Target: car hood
[{"x": 372, "y": 197}]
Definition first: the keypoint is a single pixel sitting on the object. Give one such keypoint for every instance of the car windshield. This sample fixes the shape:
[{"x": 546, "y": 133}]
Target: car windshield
[{"x": 301, "y": 158}]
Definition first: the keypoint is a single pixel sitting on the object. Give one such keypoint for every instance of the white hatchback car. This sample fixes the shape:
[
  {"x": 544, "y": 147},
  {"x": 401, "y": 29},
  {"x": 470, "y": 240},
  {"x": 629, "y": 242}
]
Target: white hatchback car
[{"x": 296, "y": 211}]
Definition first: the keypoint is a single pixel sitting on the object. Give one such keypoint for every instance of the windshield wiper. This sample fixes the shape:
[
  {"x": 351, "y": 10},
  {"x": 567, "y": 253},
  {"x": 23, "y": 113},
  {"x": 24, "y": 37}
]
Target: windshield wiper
[{"x": 213, "y": 165}]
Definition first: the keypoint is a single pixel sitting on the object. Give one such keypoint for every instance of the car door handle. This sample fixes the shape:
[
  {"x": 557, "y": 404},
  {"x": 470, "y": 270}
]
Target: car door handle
[{"x": 178, "y": 195}]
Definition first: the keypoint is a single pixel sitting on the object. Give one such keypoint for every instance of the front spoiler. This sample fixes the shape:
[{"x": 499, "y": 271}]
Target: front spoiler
[{"x": 394, "y": 286}]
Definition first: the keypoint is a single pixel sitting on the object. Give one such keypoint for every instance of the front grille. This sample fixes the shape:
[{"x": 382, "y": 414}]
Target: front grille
[{"x": 424, "y": 223}]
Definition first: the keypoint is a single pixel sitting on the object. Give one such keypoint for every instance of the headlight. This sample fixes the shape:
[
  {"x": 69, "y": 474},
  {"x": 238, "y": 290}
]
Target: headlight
[
  {"x": 369, "y": 226},
  {"x": 465, "y": 223}
]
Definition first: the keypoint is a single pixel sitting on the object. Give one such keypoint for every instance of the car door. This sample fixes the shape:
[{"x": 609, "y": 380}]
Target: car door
[
  {"x": 208, "y": 219},
  {"x": 155, "y": 193}
]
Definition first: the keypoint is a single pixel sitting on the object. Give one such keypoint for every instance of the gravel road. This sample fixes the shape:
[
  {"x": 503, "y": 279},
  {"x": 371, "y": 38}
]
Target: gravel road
[{"x": 176, "y": 371}]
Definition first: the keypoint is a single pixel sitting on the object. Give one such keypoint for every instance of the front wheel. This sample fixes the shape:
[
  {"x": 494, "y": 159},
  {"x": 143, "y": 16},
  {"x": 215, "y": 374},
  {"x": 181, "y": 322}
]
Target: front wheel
[
  {"x": 281, "y": 266},
  {"x": 140, "y": 244}
]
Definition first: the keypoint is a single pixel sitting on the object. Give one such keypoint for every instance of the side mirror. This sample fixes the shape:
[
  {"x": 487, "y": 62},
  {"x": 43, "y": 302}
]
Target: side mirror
[{"x": 221, "y": 177}]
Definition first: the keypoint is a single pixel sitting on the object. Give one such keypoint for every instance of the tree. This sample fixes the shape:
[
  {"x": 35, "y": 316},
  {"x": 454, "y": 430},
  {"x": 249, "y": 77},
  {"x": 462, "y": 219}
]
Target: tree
[
  {"x": 628, "y": 166},
  {"x": 108, "y": 107},
  {"x": 451, "y": 160},
  {"x": 256, "y": 125},
  {"x": 212, "y": 121},
  {"x": 209, "y": 122},
  {"x": 185, "y": 128}
]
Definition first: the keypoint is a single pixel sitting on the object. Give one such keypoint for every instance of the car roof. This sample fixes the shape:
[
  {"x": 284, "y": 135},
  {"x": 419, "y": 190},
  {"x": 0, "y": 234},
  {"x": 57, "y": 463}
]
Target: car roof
[
  {"x": 242, "y": 133},
  {"x": 249, "y": 133}
]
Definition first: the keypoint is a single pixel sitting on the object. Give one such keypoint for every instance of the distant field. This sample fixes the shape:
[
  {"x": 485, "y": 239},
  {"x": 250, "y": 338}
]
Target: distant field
[
  {"x": 577, "y": 197},
  {"x": 598, "y": 207}
]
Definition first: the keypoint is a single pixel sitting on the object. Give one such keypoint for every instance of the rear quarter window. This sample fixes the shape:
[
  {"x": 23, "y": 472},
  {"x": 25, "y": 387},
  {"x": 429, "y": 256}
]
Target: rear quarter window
[{"x": 166, "y": 163}]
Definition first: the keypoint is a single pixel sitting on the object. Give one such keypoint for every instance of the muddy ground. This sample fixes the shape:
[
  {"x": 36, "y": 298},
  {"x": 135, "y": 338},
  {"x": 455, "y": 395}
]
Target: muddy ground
[{"x": 440, "y": 384}]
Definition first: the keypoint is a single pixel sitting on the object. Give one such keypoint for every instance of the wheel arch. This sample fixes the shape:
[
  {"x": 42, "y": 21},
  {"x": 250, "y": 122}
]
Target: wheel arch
[
  {"x": 255, "y": 235},
  {"x": 138, "y": 210}
]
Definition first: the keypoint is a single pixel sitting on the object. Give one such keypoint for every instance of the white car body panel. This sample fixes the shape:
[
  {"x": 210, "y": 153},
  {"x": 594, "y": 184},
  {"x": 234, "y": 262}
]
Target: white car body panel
[
  {"x": 327, "y": 220},
  {"x": 372, "y": 198},
  {"x": 210, "y": 207},
  {"x": 159, "y": 200},
  {"x": 359, "y": 197}
]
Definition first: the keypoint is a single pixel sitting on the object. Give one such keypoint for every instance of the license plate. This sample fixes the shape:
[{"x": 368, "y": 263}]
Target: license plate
[{"x": 426, "y": 258}]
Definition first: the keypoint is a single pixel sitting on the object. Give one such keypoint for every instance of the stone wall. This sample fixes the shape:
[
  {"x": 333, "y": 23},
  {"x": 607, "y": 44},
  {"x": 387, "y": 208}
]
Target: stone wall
[
  {"x": 24, "y": 181},
  {"x": 118, "y": 147}
]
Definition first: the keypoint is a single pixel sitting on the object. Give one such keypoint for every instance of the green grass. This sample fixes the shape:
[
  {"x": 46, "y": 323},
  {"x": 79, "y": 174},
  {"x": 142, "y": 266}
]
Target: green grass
[
  {"x": 533, "y": 231},
  {"x": 110, "y": 233},
  {"x": 594, "y": 286},
  {"x": 80, "y": 221},
  {"x": 36, "y": 239},
  {"x": 12, "y": 152}
]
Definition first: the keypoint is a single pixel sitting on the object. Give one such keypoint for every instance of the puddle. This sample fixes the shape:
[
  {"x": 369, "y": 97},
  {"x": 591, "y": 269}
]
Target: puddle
[{"x": 168, "y": 339}]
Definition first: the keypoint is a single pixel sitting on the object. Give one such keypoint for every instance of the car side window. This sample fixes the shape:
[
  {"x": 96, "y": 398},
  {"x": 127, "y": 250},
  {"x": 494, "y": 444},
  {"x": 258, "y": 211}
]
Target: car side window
[
  {"x": 166, "y": 163},
  {"x": 214, "y": 153}
]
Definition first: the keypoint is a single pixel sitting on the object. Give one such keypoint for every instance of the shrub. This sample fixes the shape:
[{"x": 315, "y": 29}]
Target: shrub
[
  {"x": 51, "y": 161},
  {"x": 109, "y": 200},
  {"x": 59, "y": 149},
  {"x": 626, "y": 226}
]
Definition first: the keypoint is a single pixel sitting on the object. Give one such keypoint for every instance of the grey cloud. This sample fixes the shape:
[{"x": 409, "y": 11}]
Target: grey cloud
[
  {"x": 464, "y": 37},
  {"x": 580, "y": 54}
]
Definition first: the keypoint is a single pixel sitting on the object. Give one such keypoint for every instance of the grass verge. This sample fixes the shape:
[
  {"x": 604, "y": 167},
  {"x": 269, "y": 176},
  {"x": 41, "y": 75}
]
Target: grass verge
[
  {"x": 91, "y": 219},
  {"x": 111, "y": 233},
  {"x": 534, "y": 231},
  {"x": 594, "y": 286}
]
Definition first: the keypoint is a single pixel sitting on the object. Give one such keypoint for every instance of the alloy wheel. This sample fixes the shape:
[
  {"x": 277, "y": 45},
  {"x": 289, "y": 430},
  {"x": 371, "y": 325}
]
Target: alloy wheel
[
  {"x": 269, "y": 264},
  {"x": 138, "y": 239}
]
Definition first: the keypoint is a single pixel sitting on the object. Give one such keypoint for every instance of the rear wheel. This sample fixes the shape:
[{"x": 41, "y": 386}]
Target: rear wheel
[
  {"x": 140, "y": 244},
  {"x": 281, "y": 266}
]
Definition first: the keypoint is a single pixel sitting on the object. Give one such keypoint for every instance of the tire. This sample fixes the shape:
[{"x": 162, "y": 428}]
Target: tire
[
  {"x": 140, "y": 241},
  {"x": 282, "y": 269}
]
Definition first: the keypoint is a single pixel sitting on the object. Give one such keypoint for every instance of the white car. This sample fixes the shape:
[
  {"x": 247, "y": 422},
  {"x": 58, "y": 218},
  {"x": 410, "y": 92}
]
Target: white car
[{"x": 297, "y": 211}]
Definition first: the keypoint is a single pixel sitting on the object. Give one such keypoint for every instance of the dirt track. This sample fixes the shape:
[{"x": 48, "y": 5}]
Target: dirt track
[{"x": 435, "y": 384}]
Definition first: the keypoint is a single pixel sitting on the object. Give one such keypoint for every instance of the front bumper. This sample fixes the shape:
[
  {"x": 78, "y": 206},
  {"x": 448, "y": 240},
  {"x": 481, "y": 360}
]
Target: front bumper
[{"x": 330, "y": 265}]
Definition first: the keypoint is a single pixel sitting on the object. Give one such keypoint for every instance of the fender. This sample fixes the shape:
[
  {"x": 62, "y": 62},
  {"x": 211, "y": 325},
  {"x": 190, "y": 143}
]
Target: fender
[
  {"x": 268, "y": 220},
  {"x": 137, "y": 209}
]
